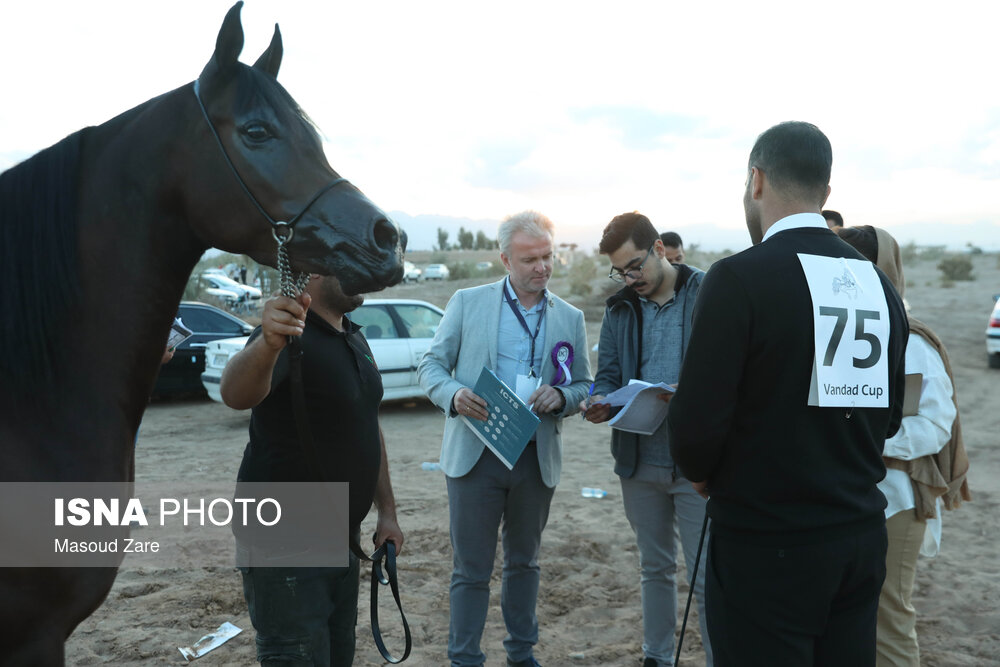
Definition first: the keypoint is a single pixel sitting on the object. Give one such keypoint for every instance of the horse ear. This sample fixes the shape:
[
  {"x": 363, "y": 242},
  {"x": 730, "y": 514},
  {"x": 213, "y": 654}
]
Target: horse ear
[
  {"x": 230, "y": 40},
  {"x": 270, "y": 60}
]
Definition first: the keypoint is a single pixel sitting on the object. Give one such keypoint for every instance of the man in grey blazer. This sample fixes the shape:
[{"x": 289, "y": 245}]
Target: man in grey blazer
[{"x": 536, "y": 343}]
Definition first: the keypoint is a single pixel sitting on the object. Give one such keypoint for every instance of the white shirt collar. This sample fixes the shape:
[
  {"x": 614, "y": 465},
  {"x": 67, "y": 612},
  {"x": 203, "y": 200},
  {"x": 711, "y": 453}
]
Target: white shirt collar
[{"x": 795, "y": 221}]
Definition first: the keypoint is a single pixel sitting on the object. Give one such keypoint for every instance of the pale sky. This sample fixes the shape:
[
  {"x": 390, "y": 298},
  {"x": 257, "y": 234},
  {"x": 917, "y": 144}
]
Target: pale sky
[{"x": 581, "y": 110}]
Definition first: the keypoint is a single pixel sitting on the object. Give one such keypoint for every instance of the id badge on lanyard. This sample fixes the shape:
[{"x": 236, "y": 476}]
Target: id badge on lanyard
[{"x": 527, "y": 384}]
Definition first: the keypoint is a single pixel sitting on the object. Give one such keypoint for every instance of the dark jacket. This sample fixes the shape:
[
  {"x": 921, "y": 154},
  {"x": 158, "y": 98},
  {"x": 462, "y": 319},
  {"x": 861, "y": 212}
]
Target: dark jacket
[
  {"x": 620, "y": 351},
  {"x": 775, "y": 465}
]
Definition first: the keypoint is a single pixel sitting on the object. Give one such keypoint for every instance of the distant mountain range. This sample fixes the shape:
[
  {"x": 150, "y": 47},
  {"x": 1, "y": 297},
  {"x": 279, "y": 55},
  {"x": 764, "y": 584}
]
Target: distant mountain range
[{"x": 421, "y": 231}]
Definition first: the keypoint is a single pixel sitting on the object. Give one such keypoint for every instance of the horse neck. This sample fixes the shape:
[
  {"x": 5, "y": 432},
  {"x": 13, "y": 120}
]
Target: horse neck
[{"x": 135, "y": 258}]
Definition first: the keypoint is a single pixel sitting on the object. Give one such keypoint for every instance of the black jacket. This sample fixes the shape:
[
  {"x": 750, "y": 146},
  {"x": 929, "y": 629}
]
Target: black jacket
[{"x": 740, "y": 419}]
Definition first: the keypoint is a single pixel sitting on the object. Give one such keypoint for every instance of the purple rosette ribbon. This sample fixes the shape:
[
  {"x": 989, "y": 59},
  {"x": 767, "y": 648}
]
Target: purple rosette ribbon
[{"x": 562, "y": 359}]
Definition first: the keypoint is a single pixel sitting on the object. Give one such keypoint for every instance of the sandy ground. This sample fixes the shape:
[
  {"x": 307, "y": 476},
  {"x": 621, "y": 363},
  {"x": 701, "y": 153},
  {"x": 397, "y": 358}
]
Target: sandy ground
[{"x": 589, "y": 602}]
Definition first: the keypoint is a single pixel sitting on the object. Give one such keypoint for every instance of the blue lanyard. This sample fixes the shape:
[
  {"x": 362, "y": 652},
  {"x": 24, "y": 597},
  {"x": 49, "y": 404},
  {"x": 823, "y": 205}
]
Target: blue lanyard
[{"x": 520, "y": 318}]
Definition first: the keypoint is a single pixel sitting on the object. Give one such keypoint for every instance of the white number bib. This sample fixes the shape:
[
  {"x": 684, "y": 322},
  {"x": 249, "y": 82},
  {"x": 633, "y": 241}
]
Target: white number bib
[{"x": 851, "y": 329}]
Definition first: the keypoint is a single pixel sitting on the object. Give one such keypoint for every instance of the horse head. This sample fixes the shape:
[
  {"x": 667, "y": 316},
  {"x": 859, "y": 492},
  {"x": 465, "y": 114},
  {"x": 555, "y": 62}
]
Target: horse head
[{"x": 274, "y": 152}]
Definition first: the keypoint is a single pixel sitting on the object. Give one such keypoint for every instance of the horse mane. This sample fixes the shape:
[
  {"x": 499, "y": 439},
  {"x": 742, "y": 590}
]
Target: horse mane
[{"x": 39, "y": 272}]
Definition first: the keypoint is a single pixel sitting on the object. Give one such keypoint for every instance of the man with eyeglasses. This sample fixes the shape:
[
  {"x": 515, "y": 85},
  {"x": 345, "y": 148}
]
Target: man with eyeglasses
[{"x": 644, "y": 334}]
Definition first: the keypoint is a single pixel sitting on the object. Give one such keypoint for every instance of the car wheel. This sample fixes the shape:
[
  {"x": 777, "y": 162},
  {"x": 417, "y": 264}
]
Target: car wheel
[{"x": 994, "y": 360}]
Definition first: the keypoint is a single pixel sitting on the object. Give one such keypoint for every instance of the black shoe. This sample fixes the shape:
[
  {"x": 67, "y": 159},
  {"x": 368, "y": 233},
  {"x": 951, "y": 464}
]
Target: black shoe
[
  {"x": 530, "y": 662},
  {"x": 649, "y": 662}
]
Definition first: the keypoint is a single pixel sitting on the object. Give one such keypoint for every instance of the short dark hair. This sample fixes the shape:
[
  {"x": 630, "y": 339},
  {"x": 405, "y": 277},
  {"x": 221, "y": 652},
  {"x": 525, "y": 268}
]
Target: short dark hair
[
  {"x": 830, "y": 214},
  {"x": 633, "y": 227},
  {"x": 797, "y": 159},
  {"x": 863, "y": 239},
  {"x": 672, "y": 239}
]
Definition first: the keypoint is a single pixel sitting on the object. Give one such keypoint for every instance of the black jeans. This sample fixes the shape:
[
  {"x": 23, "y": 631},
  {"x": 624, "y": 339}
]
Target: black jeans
[
  {"x": 813, "y": 604},
  {"x": 303, "y": 615}
]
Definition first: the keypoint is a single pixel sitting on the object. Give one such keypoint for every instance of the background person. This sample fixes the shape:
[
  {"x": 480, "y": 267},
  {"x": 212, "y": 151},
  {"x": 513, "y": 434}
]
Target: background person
[
  {"x": 513, "y": 327},
  {"x": 834, "y": 220},
  {"x": 796, "y": 556},
  {"x": 673, "y": 247},
  {"x": 308, "y": 614},
  {"x": 646, "y": 328},
  {"x": 927, "y": 465}
]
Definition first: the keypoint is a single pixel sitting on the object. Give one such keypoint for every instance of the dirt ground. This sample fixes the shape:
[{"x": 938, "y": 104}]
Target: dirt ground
[{"x": 589, "y": 608}]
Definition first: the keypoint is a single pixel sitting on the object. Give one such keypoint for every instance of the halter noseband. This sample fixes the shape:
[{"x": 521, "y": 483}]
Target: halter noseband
[{"x": 281, "y": 231}]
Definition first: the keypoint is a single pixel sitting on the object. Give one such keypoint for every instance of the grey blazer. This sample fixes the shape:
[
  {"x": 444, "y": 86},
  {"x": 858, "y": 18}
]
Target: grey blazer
[{"x": 466, "y": 340}]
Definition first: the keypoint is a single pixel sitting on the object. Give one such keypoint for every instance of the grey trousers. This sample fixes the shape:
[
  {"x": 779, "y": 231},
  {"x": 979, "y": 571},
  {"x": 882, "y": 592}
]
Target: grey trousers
[
  {"x": 477, "y": 503},
  {"x": 659, "y": 508}
]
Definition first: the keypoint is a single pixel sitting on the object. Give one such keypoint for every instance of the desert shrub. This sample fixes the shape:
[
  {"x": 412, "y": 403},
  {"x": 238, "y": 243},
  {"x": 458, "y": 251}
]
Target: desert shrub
[
  {"x": 910, "y": 253},
  {"x": 956, "y": 267},
  {"x": 933, "y": 252},
  {"x": 496, "y": 270},
  {"x": 581, "y": 273},
  {"x": 461, "y": 270}
]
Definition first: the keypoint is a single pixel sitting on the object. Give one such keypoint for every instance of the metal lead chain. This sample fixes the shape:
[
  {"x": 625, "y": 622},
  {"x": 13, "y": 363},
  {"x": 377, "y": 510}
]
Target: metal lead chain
[{"x": 292, "y": 282}]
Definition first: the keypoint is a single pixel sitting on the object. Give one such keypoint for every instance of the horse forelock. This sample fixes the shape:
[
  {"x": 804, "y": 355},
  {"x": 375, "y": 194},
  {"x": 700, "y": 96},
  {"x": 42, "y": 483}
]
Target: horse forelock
[
  {"x": 253, "y": 85},
  {"x": 39, "y": 272}
]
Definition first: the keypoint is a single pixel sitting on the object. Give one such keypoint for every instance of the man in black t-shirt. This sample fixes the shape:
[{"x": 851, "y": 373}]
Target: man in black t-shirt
[{"x": 309, "y": 614}]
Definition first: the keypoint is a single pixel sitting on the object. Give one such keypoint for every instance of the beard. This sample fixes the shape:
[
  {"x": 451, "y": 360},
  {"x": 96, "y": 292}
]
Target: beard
[
  {"x": 332, "y": 296},
  {"x": 651, "y": 286}
]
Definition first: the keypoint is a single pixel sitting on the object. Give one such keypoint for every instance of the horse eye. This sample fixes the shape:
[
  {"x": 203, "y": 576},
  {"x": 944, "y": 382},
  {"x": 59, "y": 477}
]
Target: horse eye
[{"x": 256, "y": 132}]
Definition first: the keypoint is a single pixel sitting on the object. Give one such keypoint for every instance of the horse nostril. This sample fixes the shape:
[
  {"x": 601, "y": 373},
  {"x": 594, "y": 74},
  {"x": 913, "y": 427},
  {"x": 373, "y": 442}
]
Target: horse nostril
[{"x": 386, "y": 235}]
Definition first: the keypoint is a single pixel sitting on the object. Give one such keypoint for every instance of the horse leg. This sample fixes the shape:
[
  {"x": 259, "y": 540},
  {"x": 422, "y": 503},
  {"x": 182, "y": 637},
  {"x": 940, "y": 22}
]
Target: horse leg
[{"x": 43, "y": 607}]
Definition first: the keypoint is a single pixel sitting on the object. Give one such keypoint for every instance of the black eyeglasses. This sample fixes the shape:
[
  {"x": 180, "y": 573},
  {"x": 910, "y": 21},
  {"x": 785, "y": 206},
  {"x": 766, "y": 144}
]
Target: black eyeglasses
[{"x": 633, "y": 273}]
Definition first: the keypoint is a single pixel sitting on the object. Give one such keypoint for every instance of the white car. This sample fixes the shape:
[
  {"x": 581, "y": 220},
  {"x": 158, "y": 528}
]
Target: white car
[
  {"x": 436, "y": 272},
  {"x": 217, "y": 354},
  {"x": 411, "y": 274},
  {"x": 399, "y": 331},
  {"x": 228, "y": 284},
  {"x": 993, "y": 335}
]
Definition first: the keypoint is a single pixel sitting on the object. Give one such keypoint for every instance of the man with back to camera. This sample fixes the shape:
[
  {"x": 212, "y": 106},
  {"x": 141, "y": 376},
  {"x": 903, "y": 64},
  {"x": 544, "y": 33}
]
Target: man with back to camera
[
  {"x": 307, "y": 615},
  {"x": 536, "y": 343},
  {"x": 646, "y": 328},
  {"x": 673, "y": 247},
  {"x": 792, "y": 382},
  {"x": 833, "y": 219}
]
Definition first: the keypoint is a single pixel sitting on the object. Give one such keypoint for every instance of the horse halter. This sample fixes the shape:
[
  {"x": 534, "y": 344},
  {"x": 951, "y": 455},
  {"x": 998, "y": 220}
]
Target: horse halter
[{"x": 292, "y": 282}]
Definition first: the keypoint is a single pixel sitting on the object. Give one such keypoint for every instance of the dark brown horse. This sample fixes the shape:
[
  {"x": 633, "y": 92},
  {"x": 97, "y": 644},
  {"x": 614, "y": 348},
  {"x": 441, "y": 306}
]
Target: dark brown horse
[{"x": 98, "y": 235}]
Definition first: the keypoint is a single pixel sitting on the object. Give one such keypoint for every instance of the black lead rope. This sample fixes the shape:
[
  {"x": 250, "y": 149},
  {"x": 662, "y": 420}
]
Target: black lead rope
[
  {"x": 386, "y": 552},
  {"x": 694, "y": 579}
]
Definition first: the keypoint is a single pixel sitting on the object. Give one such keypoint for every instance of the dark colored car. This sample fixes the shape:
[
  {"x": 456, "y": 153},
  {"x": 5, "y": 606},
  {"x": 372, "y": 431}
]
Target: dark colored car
[{"x": 182, "y": 374}]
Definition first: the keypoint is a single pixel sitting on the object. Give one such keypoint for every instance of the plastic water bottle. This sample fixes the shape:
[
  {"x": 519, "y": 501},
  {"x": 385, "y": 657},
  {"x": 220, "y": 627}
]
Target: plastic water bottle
[
  {"x": 428, "y": 465},
  {"x": 589, "y": 492}
]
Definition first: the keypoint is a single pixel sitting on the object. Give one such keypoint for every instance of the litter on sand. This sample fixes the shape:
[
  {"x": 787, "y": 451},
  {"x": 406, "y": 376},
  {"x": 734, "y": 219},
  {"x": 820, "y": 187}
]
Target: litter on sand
[{"x": 209, "y": 642}]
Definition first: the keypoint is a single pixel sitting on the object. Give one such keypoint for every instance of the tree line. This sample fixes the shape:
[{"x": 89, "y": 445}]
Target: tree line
[{"x": 466, "y": 240}]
